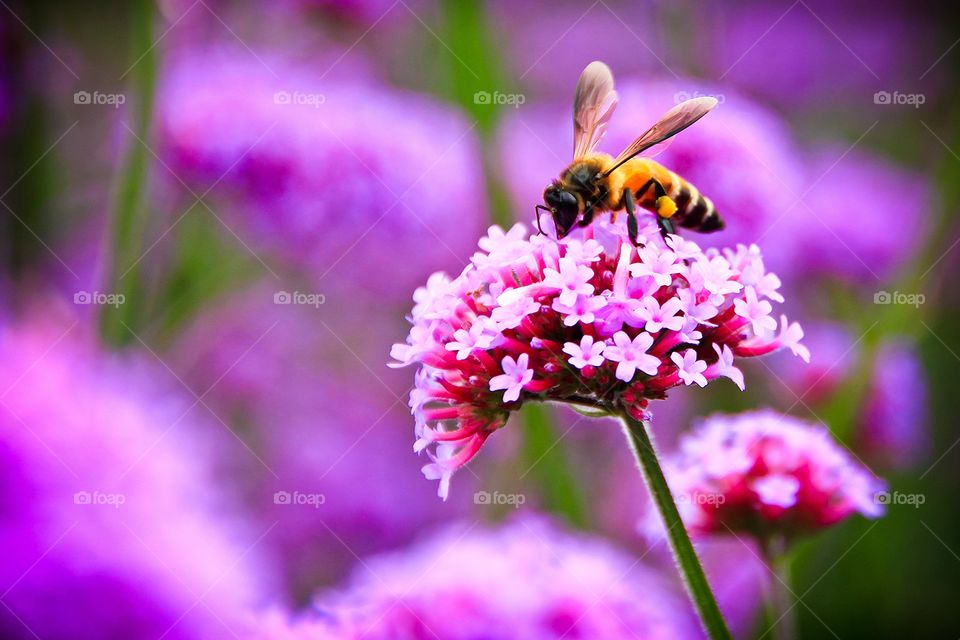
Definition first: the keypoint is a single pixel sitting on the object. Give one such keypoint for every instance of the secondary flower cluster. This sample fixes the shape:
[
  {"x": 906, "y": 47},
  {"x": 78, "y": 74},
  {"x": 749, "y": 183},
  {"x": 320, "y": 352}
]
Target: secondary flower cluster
[
  {"x": 527, "y": 579},
  {"x": 591, "y": 320},
  {"x": 767, "y": 473}
]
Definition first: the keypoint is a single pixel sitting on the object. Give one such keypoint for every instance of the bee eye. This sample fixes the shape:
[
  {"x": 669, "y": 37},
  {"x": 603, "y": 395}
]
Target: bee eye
[{"x": 565, "y": 199}]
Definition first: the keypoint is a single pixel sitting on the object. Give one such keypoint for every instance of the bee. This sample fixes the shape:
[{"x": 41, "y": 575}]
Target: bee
[{"x": 597, "y": 182}]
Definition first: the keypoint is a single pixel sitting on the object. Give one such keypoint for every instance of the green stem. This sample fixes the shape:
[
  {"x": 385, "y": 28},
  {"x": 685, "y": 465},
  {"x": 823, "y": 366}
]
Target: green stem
[
  {"x": 129, "y": 212},
  {"x": 547, "y": 460},
  {"x": 779, "y": 596},
  {"x": 683, "y": 552}
]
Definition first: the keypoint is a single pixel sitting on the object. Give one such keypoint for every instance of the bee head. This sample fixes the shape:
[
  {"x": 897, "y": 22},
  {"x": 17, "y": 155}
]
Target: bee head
[{"x": 564, "y": 207}]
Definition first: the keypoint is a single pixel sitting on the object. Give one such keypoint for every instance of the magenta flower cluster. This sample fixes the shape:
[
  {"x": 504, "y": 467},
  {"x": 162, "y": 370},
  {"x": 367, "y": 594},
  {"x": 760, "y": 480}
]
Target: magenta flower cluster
[
  {"x": 527, "y": 579},
  {"x": 591, "y": 320},
  {"x": 766, "y": 473}
]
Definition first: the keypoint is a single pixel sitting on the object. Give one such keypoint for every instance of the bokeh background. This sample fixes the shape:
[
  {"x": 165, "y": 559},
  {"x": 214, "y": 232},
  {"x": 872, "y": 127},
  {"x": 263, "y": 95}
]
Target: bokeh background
[{"x": 214, "y": 217}]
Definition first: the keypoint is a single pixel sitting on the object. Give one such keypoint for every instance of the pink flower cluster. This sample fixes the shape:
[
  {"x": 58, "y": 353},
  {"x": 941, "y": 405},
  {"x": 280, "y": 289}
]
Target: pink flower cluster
[
  {"x": 590, "y": 320},
  {"x": 527, "y": 579},
  {"x": 766, "y": 473}
]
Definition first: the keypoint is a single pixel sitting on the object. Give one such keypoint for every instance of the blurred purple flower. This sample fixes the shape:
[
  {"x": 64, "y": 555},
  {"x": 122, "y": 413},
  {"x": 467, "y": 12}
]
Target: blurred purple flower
[
  {"x": 893, "y": 422},
  {"x": 527, "y": 579},
  {"x": 864, "y": 217},
  {"x": 546, "y": 50},
  {"x": 323, "y": 419},
  {"x": 369, "y": 12},
  {"x": 740, "y": 155},
  {"x": 111, "y": 525},
  {"x": 814, "y": 54},
  {"x": 324, "y": 173},
  {"x": 891, "y": 429},
  {"x": 834, "y": 352}
]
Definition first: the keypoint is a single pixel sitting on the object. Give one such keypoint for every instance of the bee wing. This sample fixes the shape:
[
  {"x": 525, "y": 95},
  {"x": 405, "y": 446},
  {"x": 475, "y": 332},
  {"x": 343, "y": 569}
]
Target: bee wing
[
  {"x": 593, "y": 104},
  {"x": 673, "y": 122}
]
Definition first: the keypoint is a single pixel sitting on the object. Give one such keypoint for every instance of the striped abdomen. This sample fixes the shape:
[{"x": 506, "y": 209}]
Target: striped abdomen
[{"x": 694, "y": 210}]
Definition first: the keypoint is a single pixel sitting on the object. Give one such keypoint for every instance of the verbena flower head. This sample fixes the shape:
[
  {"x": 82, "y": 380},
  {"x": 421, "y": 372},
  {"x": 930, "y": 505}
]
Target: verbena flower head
[
  {"x": 528, "y": 579},
  {"x": 766, "y": 473},
  {"x": 590, "y": 320}
]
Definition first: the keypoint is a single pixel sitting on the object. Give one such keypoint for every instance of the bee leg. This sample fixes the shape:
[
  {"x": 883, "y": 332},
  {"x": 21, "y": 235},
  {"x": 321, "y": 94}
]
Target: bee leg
[
  {"x": 666, "y": 227},
  {"x": 665, "y": 224},
  {"x": 587, "y": 217},
  {"x": 632, "y": 228}
]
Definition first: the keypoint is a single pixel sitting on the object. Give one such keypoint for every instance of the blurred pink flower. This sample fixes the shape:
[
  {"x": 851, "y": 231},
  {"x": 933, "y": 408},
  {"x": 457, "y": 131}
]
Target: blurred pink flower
[
  {"x": 546, "y": 50},
  {"x": 834, "y": 352},
  {"x": 112, "y": 525},
  {"x": 865, "y": 217},
  {"x": 320, "y": 419},
  {"x": 456, "y": 402},
  {"x": 816, "y": 55},
  {"x": 892, "y": 416},
  {"x": 324, "y": 173},
  {"x": 527, "y": 579},
  {"x": 893, "y": 423},
  {"x": 766, "y": 473}
]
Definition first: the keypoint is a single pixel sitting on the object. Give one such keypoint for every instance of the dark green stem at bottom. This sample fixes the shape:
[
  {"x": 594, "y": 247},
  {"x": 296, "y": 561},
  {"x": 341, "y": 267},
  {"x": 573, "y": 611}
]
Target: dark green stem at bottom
[{"x": 683, "y": 552}]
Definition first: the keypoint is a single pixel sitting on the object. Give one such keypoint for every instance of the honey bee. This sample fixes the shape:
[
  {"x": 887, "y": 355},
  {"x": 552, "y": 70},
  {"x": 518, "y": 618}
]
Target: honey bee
[{"x": 597, "y": 182}]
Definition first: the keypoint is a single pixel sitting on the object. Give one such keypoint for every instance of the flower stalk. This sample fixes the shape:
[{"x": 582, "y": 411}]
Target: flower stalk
[
  {"x": 779, "y": 598},
  {"x": 694, "y": 579}
]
